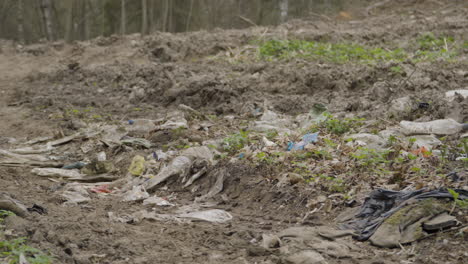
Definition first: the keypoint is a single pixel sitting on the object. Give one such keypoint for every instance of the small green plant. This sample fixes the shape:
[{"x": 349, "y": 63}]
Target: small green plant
[
  {"x": 396, "y": 69},
  {"x": 4, "y": 214},
  {"x": 456, "y": 201},
  {"x": 333, "y": 52},
  {"x": 370, "y": 158},
  {"x": 11, "y": 251},
  {"x": 340, "y": 126},
  {"x": 271, "y": 134},
  {"x": 430, "y": 42},
  {"x": 265, "y": 157},
  {"x": 236, "y": 141}
]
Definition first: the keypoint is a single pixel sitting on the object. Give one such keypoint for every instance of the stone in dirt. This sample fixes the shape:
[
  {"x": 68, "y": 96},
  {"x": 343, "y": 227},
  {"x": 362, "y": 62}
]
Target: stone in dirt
[
  {"x": 306, "y": 257},
  {"x": 13, "y": 205},
  {"x": 270, "y": 241},
  {"x": 439, "y": 222}
]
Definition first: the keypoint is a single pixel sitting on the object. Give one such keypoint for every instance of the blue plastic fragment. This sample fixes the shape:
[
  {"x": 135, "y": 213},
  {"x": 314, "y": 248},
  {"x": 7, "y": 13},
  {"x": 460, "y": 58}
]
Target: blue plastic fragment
[
  {"x": 241, "y": 156},
  {"x": 76, "y": 165},
  {"x": 306, "y": 139}
]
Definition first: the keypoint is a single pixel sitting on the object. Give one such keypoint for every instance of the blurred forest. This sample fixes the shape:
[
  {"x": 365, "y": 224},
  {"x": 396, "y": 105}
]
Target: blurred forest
[{"x": 29, "y": 21}]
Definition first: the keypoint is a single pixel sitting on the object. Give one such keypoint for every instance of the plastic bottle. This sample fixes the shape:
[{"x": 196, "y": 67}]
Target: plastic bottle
[{"x": 440, "y": 127}]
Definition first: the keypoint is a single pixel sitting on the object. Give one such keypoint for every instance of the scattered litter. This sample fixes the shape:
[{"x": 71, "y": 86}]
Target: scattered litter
[
  {"x": 390, "y": 217},
  {"x": 439, "y": 127},
  {"x": 54, "y": 172},
  {"x": 267, "y": 143},
  {"x": 137, "y": 193},
  {"x": 75, "y": 193},
  {"x": 213, "y": 215},
  {"x": 33, "y": 150},
  {"x": 98, "y": 167},
  {"x": 64, "y": 140},
  {"x": 137, "y": 167},
  {"x": 140, "y": 125},
  {"x": 38, "y": 209},
  {"x": 157, "y": 201},
  {"x": 37, "y": 140},
  {"x": 306, "y": 139},
  {"x": 137, "y": 142},
  {"x": 101, "y": 189},
  {"x": 180, "y": 166},
  {"x": 451, "y": 95},
  {"x": 368, "y": 140},
  {"x": 76, "y": 165},
  {"x": 427, "y": 141},
  {"x": 176, "y": 122},
  {"x": 101, "y": 156},
  {"x": 160, "y": 155},
  {"x": 422, "y": 151}
]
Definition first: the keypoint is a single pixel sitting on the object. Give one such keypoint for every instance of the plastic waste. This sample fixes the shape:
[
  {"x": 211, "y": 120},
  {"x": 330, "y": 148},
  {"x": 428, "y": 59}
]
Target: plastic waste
[
  {"x": 137, "y": 193},
  {"x": 267, "y": 143},
  {"x": 175, "y": 123},
  {"x": 140, "y": 125},
  {"x": 101, "y": 156},
  {"x": 306, "y": 139},
  {"x": 136, "y": 142},
  {"x": 440, "y": 127},
  {"x": 33, "y": 150},
  {"x": 137, "y": 167},
  {"x": 157, "y": 201},
  {"x": 180, "y": 166},
  {"x": 54, "y": 172},
  {"x": 426, "y": 141},
  {"x": 450, "y": 95},
  {"x": 98, "y": 167},
  {"x": 76, "y": 165},
  {"x": 37, "y": 209},
  {"x": 368, "y": 140},
  {"x": 75, "y": 193},
  {"x": 213, "y": 215},
  {"x": 422, "y": 151},
  {"x": 382, "y": 204},
  {"x": 101, "y": 189}
]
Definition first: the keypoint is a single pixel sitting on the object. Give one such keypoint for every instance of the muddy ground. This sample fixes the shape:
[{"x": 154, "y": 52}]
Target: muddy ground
[{"x": 57, "y": 89}]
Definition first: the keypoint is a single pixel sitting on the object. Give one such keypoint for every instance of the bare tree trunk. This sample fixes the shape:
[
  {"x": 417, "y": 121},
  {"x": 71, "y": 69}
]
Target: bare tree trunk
[
  {"x": 86, "y": 20},
  {"x": 20, "y": 17},
  {"x": 69, "y": 22},
  {"x": 47, "y": 16},
  {"x": 170, "y": 19},
  {"x": 189, "y": 18},
  {"x": 151, "y": 20},
  {"x": 284, "y": 10},
  {"x": 166, "y": 16},
  {"x": 123, "y": 17},
  {"x": 144, "y": 17}
]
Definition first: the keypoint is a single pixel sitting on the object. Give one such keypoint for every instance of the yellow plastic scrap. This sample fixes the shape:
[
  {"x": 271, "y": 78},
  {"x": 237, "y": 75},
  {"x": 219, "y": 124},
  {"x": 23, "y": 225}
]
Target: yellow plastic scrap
[{"x": 138, "y": 166}]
